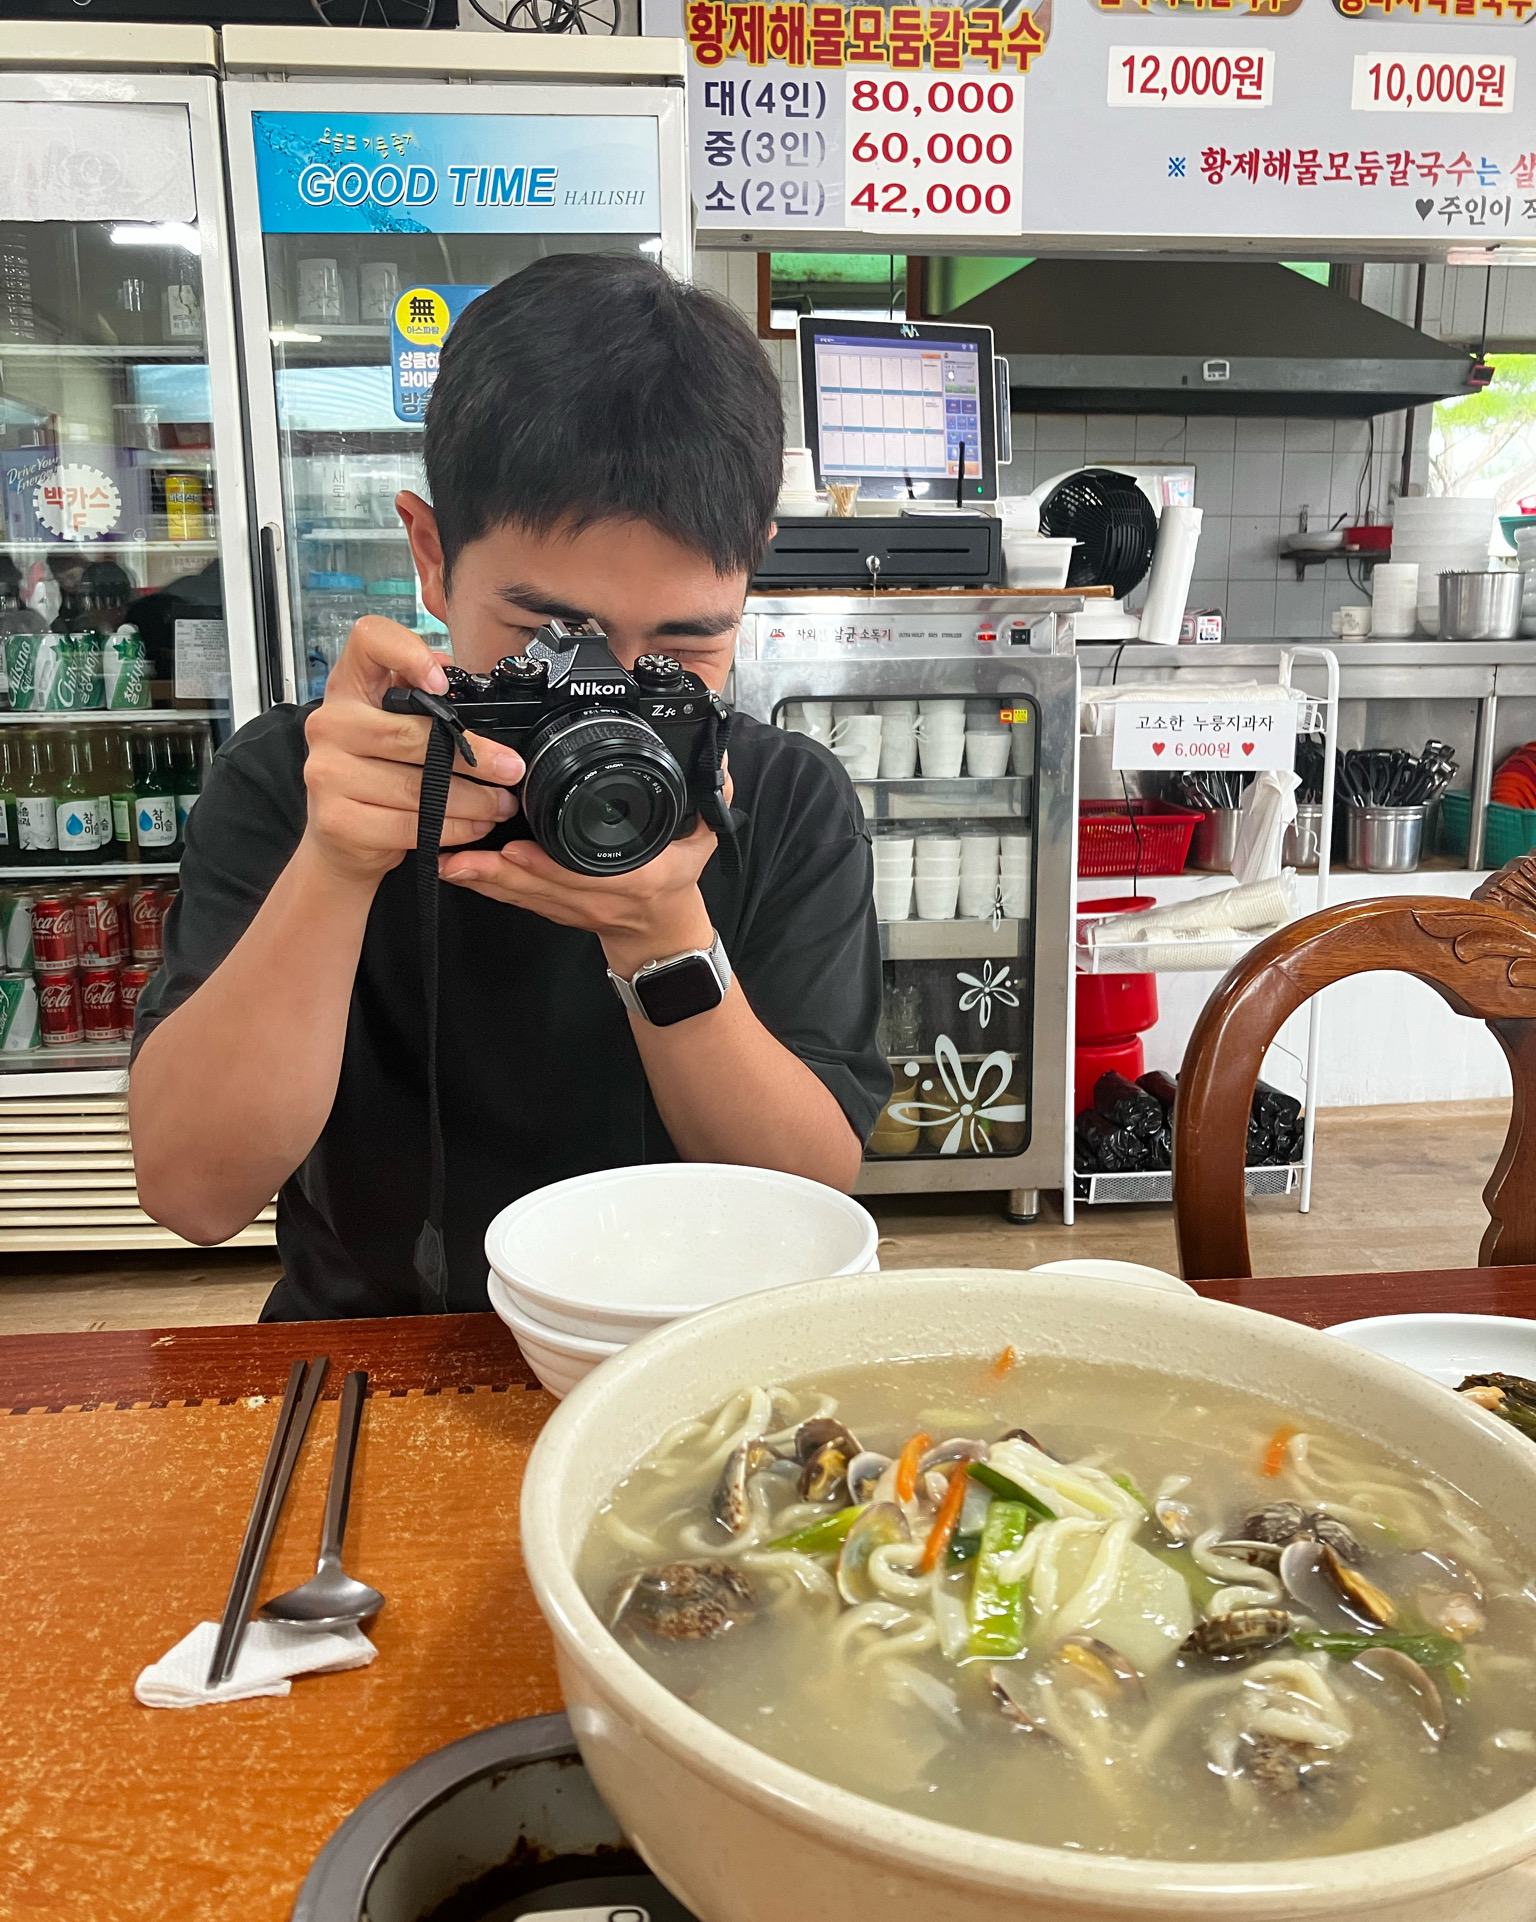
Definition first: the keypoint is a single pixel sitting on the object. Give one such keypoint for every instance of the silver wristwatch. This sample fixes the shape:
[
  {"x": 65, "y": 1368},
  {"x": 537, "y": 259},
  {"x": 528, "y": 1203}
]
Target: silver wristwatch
[{"x": 677, "y": 988}]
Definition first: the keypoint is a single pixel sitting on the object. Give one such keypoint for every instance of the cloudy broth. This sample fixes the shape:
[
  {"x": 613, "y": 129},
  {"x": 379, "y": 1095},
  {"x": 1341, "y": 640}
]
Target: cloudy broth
[{"x": 1090, "y": 1663}]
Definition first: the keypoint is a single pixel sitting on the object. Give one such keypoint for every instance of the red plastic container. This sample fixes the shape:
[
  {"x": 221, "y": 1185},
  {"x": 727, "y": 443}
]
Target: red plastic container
[
  {"x": 1155, "y": 842},
  {"x": 1103, "y": 1057},
  {"x": 1368, "y": 538},
  {"x": 1114, "y": 1007}
]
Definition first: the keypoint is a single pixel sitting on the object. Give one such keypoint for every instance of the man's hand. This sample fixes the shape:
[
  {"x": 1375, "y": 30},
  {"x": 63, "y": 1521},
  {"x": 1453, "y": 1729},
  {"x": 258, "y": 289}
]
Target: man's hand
[
  {"x": 363, "y": 772},
  {"x": 643, "y": 916}
]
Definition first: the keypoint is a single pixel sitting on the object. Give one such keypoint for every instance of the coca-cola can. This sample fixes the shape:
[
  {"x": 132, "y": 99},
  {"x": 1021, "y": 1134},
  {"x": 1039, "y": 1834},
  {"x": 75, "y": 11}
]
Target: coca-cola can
[
  {"x": 146, "y": 911},
  {"x": 98, "y": 929},
  {"x": 131, "y": 983},
  {"x": 59, "y": 1013},
  {"x": 55, "y": 936},
  {"x": 101, "y": 1015}
]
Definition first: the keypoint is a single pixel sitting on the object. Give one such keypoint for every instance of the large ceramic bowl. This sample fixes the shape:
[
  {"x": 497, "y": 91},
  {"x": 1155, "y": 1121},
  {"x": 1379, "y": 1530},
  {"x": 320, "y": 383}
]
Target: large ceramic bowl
[
  {"x": 741, "y": 1837},
  {"x": 612, "y": 1255}
]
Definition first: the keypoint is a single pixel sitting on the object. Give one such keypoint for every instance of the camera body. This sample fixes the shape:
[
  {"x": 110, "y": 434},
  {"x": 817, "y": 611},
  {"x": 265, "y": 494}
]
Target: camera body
[{"x": 617, "y": 765}]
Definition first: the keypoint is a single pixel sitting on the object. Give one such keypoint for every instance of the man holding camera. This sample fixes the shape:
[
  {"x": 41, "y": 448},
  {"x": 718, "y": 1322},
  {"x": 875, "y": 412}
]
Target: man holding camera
[{"x": 602, "y": 445}]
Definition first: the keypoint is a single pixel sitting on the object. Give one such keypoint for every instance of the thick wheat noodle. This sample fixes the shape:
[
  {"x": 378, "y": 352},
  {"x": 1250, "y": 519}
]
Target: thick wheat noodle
[
  {"x": 810, "y": 1574},
  {"x": 922, "y": 1687},
  {"x": 913, "y": 1642},
  {"x": 782, "y": 1437},
  {"x": 1042, "y": 1588},
  {"x": 881, "y": 1615},
  {"x": 1229, "y": 1569},
  {"x": 630, "y": 1538},
  {"x": 1074, "y": 1716},
  {"x": 887, "y": 1573}
]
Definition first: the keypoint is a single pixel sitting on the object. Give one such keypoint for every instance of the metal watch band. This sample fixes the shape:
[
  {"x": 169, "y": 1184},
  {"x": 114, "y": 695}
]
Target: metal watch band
[{"x": 713, "y": 957}]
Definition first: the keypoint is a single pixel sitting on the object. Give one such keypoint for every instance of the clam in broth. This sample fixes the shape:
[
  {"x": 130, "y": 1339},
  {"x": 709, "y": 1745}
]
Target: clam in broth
[{"x": 1091, "y": 1609}]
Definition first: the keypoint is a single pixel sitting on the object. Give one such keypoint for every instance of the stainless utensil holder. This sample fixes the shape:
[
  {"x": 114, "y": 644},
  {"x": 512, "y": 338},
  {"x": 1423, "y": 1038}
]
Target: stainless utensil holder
[
  {"x": 1215, "y": 841},
  {"x": 1303, "y": 838},
  {"x": 1481, "y": 605},
  {"x": 1386, "y": 840}
]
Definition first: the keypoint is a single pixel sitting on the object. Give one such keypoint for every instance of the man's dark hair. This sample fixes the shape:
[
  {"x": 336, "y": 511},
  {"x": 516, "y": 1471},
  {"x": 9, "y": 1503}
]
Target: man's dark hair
[{"x": 589, "y": 387}]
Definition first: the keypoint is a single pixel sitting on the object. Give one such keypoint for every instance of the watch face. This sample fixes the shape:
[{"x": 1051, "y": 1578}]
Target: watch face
[{"x": 678, "y": 991}]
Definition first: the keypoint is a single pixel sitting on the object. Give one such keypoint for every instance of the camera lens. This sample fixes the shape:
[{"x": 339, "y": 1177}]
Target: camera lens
[{"x": 603, "y": 794}]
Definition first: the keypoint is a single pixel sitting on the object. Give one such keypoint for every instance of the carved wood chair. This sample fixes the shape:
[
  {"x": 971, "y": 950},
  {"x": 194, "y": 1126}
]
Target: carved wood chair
[{"x": 1478, "y": 955}]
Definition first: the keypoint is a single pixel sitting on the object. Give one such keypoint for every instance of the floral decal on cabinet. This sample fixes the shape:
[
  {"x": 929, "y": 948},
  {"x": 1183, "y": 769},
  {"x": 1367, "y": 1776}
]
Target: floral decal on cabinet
[{"x": 963, "y": 1106}]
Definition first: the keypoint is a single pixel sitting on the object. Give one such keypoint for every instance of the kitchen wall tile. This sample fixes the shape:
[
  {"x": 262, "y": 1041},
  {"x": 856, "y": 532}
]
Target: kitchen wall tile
[
  {"x": 1299, "y": 608},
  {"x": 1306, "y": 480},
  {"x": 1346, "y": 488},
  {"x": 1250, "y": 610},
  {"x": 1018, "y": 477},
  {"x": 1208, "y": 591},
  {"x": 1309, "y": 436},
  {"x": 1111, "y": 437},
  {"x": 1351, "y": 437},
  {"x": 1213, "y": 481},
  {"x": 1256, "y": 476},
  {"x": 1160, "y": 437},
  {"x": 1023, "y": 432},
  {"x": 1253, "y": 540},
  {"x": 1210, "y": 433},
  {"x": 1061, "y": 434}
]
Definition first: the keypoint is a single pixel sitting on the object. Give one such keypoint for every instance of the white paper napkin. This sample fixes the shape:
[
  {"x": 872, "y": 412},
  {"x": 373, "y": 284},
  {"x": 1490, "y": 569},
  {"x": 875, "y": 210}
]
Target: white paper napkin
[{"x": 271, "y": 1653}]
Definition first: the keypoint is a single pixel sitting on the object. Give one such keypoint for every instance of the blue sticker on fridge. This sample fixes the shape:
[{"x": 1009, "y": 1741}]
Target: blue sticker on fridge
[
  {"x": 418, "y": 326},
  {"x": 457, "y": 173}
]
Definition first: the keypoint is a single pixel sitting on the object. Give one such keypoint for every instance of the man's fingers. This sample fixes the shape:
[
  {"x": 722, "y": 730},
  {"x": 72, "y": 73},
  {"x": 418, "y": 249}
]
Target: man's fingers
[
  {"x": 388, "y": 784},
  {"x": 354, "y": 728},
  {"x": 378, "y": 654}
]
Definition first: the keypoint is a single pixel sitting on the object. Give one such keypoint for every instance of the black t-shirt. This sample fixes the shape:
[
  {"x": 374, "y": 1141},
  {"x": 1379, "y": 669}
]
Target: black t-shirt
[{"x": 539, "y": 1073}]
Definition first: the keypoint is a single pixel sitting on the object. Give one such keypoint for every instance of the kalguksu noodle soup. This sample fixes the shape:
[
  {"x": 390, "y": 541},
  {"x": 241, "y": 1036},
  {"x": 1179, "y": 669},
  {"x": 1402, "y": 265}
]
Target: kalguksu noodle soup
[{"x": 1090, "y": 1608}]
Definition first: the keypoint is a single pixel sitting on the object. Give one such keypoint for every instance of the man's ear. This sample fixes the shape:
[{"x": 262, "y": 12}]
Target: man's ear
[{"x": 426, "y": 552}]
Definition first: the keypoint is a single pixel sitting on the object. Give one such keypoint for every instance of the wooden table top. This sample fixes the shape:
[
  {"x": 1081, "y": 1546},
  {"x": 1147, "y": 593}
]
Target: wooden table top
[{"x": 128, "y": 1462}]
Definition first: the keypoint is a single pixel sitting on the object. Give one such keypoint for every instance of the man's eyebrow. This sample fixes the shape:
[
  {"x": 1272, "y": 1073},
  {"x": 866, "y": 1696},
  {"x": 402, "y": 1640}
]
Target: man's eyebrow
[
  {"x": 520, "y": 594},
  {"x": 701, "y": 626}
]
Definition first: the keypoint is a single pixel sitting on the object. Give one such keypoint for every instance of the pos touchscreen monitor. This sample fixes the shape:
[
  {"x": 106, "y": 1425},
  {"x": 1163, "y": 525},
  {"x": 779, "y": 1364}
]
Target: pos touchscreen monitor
[{"x": 899, "y": 405}]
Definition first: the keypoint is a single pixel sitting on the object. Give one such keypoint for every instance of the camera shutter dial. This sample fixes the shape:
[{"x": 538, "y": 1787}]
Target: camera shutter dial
[
  {"x": 658, "y": 674},
  {"x": 519, "y": 674}
]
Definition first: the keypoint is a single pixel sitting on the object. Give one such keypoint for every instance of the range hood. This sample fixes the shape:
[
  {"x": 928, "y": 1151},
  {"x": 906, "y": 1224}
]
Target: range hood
[{"x": 1166, "y": 337}]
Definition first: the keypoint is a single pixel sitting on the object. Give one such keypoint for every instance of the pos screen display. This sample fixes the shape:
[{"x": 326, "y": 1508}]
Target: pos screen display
[{"x": 897, "y": 405}]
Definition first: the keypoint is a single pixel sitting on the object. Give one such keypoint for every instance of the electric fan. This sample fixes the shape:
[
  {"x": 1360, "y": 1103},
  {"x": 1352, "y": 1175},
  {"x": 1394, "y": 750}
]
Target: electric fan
[{"x": 1115, "y": 526}]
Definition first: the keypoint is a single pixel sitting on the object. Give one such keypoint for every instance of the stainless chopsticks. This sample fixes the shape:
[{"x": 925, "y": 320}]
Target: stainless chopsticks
[{"x": 305, "y": 1380}]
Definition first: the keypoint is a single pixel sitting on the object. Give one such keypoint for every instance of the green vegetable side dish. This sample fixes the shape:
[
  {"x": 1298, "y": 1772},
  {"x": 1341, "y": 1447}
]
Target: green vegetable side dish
[
  {"x": 997, "y": 1606},
  {"x": 1010, "y": 1491}
]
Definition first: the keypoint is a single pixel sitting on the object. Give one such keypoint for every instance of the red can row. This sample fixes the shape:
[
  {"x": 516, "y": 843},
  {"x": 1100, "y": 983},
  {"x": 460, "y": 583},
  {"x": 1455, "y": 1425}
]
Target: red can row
[
  {"x": 89, "y": 1004},
  {"x": 97, "y": 928}
]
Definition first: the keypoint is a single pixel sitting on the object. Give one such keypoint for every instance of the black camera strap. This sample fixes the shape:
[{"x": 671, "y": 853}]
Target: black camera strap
[{"x": 430, "y": 1255}]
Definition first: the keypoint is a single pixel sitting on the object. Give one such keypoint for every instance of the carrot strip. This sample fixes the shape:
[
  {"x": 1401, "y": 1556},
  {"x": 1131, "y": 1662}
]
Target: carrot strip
[
  {"x": 946, "y": 1521},
  {"x": 1274, "y": 1455},
  {"x": 1003, "y": 1363},
  {"x": 906, "y": 1467}
]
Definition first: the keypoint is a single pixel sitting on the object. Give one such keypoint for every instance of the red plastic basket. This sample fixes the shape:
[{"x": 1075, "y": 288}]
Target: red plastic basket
[{"x": 1107, "y": 837}]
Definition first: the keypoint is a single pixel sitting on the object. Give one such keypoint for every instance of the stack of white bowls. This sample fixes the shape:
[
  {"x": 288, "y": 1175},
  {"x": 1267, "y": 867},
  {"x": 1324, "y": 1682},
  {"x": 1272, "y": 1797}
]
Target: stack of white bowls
[
  {"x": 1443, "y": 534},
  {"x": 581, "y": 1269},
  {"x": 898, "y": 739},
  {"x": 856, "y": 735},
  {"x": 798, "y": 498},
  {"x": 1395, "y": 600},
  {"x": 978, "y": 874},
  {"x": 893, "y": 876}
]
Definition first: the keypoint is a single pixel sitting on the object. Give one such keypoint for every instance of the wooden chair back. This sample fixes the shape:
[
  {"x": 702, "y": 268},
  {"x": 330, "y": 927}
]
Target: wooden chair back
[{"x": 1479, "y": 955}]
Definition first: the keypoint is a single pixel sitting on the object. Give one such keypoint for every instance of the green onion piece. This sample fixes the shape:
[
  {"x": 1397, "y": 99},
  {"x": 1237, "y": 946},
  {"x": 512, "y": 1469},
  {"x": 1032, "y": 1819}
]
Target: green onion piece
[
  {"x": 824, "y": 1537},
  {"x": 963, "y": 1548},
  {"x": 1125, "y": 1482},
  {"x": 1428, "y": 1650},
  {"x": 997, "y": 1607},
  {"x": 1008, "y": 1491}
]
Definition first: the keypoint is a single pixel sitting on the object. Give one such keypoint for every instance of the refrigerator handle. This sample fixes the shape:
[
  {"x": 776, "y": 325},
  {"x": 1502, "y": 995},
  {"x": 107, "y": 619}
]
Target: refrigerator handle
[{"x": 276, "y": 647}]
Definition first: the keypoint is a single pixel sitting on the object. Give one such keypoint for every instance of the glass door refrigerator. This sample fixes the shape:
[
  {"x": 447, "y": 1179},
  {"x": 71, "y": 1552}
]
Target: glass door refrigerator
[
  {"x": 379, "y": 182},
  {"x": 127, "y": 627}
]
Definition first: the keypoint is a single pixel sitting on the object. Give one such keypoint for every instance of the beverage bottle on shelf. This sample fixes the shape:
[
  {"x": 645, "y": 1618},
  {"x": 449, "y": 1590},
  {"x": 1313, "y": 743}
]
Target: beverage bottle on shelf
[
  {"x": 37, "y": 828},
  {"x": 9, "y": 759},
  {"x": 191, "y": 745},
  {"x": 102, "y": 769},
  {"x": 125, "y": 669},
  {"x": 117, "y": 776},
  {"x": 78, "y": 823},
  {"x": 154, "y": 792}
]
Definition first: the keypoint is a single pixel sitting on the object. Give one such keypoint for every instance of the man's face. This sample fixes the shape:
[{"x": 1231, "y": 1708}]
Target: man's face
[{"x": 649, "y": 594}]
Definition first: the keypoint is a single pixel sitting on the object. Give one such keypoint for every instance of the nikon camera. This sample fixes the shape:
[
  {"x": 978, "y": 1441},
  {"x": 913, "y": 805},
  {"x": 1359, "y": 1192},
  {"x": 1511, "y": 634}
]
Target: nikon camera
[{"x": 617, "y": 765}]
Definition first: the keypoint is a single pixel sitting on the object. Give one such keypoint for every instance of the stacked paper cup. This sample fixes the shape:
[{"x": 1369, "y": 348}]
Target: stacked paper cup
[
  {"x": 1442, "y": 534},
  {"x": 893, "y": 877},
  {"x": 978, "y": 875},
  {"x": 898, "y": 739},
  {"x": 940, "y": 739},
  {"x": 987, "y": 740},
  {"x": 1395, "y": 600},
  {"x": 937, "y": 874},
  {"x": 1014, "y": 875},
  {"x": 810, "y": 717},
  {"x": 856, "y": 741}
]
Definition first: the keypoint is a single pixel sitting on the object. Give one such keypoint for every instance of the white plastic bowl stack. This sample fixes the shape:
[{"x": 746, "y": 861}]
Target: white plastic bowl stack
[
  {"x": 1395, "y": 600},
  {"x": 1443, "y": 534},
  {"x": 580, "y": 1269}
]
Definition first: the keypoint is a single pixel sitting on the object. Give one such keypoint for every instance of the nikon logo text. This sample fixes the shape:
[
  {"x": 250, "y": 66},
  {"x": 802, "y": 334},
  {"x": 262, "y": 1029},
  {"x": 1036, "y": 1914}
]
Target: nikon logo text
[{"x": 597, "y": 687}]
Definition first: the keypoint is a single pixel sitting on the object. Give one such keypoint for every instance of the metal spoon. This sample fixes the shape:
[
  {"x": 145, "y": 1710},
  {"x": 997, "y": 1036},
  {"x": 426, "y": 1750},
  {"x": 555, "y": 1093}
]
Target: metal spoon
[{"x": 331, "y": 1598}]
